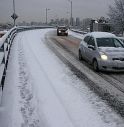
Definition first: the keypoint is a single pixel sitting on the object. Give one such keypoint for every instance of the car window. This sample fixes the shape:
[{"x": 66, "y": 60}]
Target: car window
[
  {"x": 91, "y": 41},
  {"x": 63, "y": 28},
  {"x": 117, "y": 43},
  {"x": 108, "y": 42},
  {"x": 122, "y": 40},
  {"x": 86, "y": 39}
]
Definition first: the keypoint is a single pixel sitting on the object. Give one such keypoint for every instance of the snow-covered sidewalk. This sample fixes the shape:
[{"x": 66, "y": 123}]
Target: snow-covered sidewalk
[{"x": 40, "y": 91}]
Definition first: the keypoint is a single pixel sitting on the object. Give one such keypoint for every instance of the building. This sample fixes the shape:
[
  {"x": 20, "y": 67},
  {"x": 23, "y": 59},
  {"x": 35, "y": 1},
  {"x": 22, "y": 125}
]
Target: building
[
  {"x": 77, "y": 22},
  {"x": 104, "y": 27}
]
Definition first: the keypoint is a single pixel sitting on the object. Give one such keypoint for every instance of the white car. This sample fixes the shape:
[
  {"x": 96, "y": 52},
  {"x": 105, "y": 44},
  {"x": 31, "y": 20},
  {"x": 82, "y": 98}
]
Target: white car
[{"x": 103, "y": 50}]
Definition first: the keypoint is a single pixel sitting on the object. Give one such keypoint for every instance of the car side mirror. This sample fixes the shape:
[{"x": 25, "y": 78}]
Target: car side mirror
[{"x": 91, "y": 47}]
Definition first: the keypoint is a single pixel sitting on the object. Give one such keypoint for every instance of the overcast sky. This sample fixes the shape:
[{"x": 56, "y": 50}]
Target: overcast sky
[{"x": 34, "y": 10}]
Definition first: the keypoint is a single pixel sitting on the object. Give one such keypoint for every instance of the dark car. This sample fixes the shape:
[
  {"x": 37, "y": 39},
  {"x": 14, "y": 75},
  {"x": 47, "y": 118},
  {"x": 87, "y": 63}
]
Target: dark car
[
  {"x": 62, "y": 30},
  {"x": 2, "y": 33}
]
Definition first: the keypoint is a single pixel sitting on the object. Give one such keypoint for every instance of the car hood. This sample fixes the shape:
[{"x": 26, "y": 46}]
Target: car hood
[{"x": 112, "y": 51}]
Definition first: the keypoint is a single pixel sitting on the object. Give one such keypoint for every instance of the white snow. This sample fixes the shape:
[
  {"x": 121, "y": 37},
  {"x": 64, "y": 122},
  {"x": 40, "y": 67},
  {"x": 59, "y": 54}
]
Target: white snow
[
  {"x": 101, "y": 34},
  {"x": 40, "y": 91},
  {"x": 3, "y": 38},
  {"x": 77, "y": 35}
]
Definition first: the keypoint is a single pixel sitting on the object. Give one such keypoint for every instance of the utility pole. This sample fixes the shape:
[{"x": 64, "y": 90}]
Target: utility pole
[
  {"x": 13, "y": 6},
  {"x": 71, "y": 22},
  {"x": 71, "y": 15},
  {"x": 47, "y": 14}
]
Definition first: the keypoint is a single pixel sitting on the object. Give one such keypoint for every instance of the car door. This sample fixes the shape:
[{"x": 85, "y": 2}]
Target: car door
[
  {"x": 90, "y": 51},
  {"x": 83, "y": 46}
]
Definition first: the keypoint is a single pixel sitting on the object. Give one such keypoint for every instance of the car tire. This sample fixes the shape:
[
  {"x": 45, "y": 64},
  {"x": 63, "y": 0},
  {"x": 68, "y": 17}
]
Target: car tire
[
  {"x": 95, "y": 65},
  {"x": 80, "y": 56}
]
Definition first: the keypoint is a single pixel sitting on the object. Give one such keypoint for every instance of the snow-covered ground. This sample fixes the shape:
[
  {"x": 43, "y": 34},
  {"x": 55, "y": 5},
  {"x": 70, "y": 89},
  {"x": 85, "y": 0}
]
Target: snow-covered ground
[
  {"x": 41, "y": 91},
  {"x": 77, "y": 35}
]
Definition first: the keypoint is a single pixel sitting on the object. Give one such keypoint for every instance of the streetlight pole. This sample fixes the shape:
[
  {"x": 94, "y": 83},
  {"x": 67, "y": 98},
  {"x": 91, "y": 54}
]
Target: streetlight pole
[
  {"x": 71, "y": 15},
  {"x": 68, "y": 19},
  {"x": 46, "y": 14},
  {"x": 71, "y": 22}
]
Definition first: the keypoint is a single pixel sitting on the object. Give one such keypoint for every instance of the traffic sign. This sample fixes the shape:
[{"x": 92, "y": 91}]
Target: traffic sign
[{"x": 14, "y": 16}]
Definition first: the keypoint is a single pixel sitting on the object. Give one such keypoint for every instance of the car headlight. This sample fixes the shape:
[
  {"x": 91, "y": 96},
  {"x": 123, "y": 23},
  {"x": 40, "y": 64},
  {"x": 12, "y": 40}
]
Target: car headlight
[{"x": 104, "y": 57}]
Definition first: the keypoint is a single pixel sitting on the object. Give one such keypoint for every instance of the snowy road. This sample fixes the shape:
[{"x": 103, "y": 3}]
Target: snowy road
[
  {"x": 41, "y": 91},
  {"x": 109, "y": 86}
]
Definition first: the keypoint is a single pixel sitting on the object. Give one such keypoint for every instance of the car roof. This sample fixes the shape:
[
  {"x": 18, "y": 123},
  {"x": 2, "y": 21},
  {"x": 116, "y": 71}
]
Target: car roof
[
  {"x": 101, "y": 34},
  {"x": 61, "y": 26},
  {"x": 121, "y": 38}
]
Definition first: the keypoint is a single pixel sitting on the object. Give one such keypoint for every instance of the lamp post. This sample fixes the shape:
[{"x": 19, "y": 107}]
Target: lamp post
[
  {"x": 68, "y": 19},
  {"x": 47, "y": 9},
  {"x": 71, "y": 22},
  {"x": 14, "y": 6}
]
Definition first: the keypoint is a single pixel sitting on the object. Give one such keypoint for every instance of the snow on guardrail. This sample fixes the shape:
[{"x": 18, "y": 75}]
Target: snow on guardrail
[
  {"x": 5, "y": 45},
  {"x": 78, "y": 31}
]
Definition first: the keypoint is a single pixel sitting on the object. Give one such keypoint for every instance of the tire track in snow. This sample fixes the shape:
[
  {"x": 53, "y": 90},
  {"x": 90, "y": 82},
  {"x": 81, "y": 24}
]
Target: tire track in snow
[
  {"x": 28, "y": 109},
  {"x": 52, "y": 87},
  {"x": 112, "y": 100}
]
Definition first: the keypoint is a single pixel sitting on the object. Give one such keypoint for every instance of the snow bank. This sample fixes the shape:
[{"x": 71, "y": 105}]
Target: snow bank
[{"x": 77, "y": 35}]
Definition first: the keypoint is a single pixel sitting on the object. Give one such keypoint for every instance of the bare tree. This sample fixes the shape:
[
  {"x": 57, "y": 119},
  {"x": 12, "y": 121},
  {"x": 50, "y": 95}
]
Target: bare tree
[{"x": 116, "y": 14}]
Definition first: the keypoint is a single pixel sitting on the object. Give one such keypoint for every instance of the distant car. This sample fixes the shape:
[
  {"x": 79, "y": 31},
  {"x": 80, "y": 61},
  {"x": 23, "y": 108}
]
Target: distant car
[
  {"x": 2, "y": 33},
  {"x": 103, "y": 50},
  {"x": 62, "y": 30}
]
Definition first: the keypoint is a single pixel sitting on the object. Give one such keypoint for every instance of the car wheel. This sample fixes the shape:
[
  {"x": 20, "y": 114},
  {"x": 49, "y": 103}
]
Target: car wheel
[
  {"x": 95, "y": 65},
  {"x": 80, "y": 55}
]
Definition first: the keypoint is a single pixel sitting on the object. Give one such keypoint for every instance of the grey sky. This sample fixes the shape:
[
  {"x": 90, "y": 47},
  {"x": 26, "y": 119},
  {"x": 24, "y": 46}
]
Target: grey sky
[{"x": 34, "y": 10}]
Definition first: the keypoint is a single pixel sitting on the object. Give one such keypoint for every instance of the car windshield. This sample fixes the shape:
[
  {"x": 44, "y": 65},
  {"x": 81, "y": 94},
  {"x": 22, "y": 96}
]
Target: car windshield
[
  {"x": 122, "y": 40},
  {"x": 62, "y": 27},
  {"x": 108, "y": 42}
]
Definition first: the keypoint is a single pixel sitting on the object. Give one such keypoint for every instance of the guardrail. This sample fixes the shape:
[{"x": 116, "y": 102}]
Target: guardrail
[
  {"x": 5, "y": 47},
  {"x": 24, "y": 28},
  {"x": 78, "y": 31}
]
